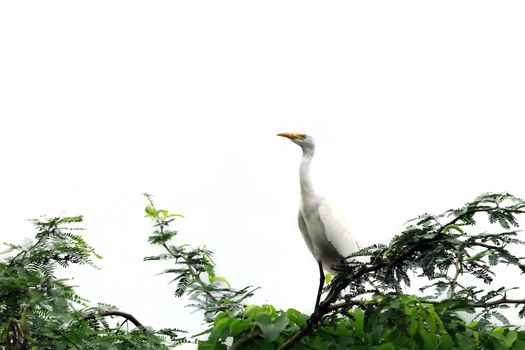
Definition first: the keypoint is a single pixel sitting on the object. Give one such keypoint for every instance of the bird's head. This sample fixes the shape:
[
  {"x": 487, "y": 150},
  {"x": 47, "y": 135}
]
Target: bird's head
[{"x": 305, "y": 141}]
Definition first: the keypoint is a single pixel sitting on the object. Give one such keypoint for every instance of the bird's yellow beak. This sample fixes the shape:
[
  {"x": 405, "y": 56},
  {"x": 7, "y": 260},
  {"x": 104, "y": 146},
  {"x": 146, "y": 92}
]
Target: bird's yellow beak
[{"x": 291, "y": 136}]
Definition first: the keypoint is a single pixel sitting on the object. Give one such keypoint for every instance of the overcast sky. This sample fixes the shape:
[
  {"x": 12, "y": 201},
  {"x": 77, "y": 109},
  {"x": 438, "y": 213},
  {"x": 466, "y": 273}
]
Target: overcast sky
[{"x": 415, "y": 107}]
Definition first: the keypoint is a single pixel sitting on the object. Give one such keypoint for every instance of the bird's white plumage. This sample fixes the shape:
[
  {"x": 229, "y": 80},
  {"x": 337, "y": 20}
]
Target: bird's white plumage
[
  {"x": 326, "y": 232},
  {"x": 324, "y": 229},
  {"x": 337, "y": 230}
]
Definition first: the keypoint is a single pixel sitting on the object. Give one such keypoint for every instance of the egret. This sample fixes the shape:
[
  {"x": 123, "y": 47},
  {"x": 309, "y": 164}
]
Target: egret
[{"x": 324, "y": 230}]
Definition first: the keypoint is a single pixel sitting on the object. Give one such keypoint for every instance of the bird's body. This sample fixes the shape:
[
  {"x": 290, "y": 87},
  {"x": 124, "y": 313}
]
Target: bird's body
[
  {"x": 318, "y": 225},
  {"x": 324, "y": 229}
]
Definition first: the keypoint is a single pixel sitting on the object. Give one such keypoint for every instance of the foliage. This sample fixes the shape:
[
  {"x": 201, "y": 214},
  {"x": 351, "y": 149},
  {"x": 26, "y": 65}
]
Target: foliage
[
  {"x": 363, "y": 308},
  {"x": 193, "y": 270},
  {"x": 40, "y": 311},
  {"x": 384, "y": 322}
]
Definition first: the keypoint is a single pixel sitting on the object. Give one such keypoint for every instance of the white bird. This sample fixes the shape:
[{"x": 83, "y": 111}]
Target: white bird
[{"x": 324, "y": 230}]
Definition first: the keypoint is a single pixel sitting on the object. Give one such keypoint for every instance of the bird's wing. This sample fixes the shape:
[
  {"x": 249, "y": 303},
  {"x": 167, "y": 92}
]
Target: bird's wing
[
  {"x": 337, "y": 229},
  {"x": 304, "y": 231}
]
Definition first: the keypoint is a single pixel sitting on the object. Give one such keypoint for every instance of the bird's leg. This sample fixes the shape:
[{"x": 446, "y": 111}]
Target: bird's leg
[{"x": 321, "y": 284}]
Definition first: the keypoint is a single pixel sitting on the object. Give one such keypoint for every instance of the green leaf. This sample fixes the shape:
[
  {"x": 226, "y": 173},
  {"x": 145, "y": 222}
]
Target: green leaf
[
  {"x": 161, "y": 238},
  {"x": 265, "y": 346},
  {"x": 271, "y": 330},
  {"x": 510, "y": 338},
  {"x": 151, "y": 211},
  {"x": 519, "y": 345},
  {"x": 359, "y": 317},
  {"x": 412, "y": 328},
  {"x": 453, "y": 227},
  {"x": 150, "y": 258},
  {"x": 251, "y": 311},
  {"x": 445, "y": 342},
  {"x": 296, "y": 317},
  {"x": 221, "y": 329},
  {"x": 70, "y": 219},
  {"x": 238, "y": 326},
  {"x": 478, "y": 256},
  {"x": 430, "y": 340},
  {"x": 504, "y": 337},
  {"x": 206, "y": 345},
  {"x": 385, "y": 346},
  {"x": 214, "y": 278}
]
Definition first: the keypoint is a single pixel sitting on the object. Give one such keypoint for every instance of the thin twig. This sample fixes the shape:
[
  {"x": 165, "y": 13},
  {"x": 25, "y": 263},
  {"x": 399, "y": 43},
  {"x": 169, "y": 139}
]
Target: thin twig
[{"x": 244, "y": 339}]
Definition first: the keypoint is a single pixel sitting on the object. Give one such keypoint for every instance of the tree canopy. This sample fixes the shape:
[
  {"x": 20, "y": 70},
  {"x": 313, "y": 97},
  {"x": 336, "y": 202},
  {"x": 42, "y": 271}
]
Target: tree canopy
[{"x": 364, "y": 306}]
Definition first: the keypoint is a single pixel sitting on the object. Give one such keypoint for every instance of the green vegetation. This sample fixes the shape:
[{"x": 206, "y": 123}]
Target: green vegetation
[
  {"x": 40, "y": 311},
  {"x": 363, "y": 307}
]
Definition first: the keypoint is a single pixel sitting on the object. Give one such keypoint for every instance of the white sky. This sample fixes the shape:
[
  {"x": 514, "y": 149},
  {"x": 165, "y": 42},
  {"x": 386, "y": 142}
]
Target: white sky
[{"x": 415, "y": 106}]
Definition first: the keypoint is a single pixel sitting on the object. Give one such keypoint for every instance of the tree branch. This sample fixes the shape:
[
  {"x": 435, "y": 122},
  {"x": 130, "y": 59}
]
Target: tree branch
[
  {"x": 480, "y": 209},
  {"x": 503, "y": 300},
  {"x": 345, "y": 304},
  {"x": 488, "y": 246},
  {"x": 324, "y": 306},
  {"x": 125, "y": 315}
]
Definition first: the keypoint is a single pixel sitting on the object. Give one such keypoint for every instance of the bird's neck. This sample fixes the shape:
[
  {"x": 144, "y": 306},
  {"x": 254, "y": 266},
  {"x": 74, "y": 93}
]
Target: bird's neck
[{"x": 304, "y": 171}]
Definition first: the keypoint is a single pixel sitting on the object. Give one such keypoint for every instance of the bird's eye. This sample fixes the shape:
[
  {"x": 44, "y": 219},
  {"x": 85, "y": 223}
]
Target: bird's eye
[{"x": 302, "y": 136}]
